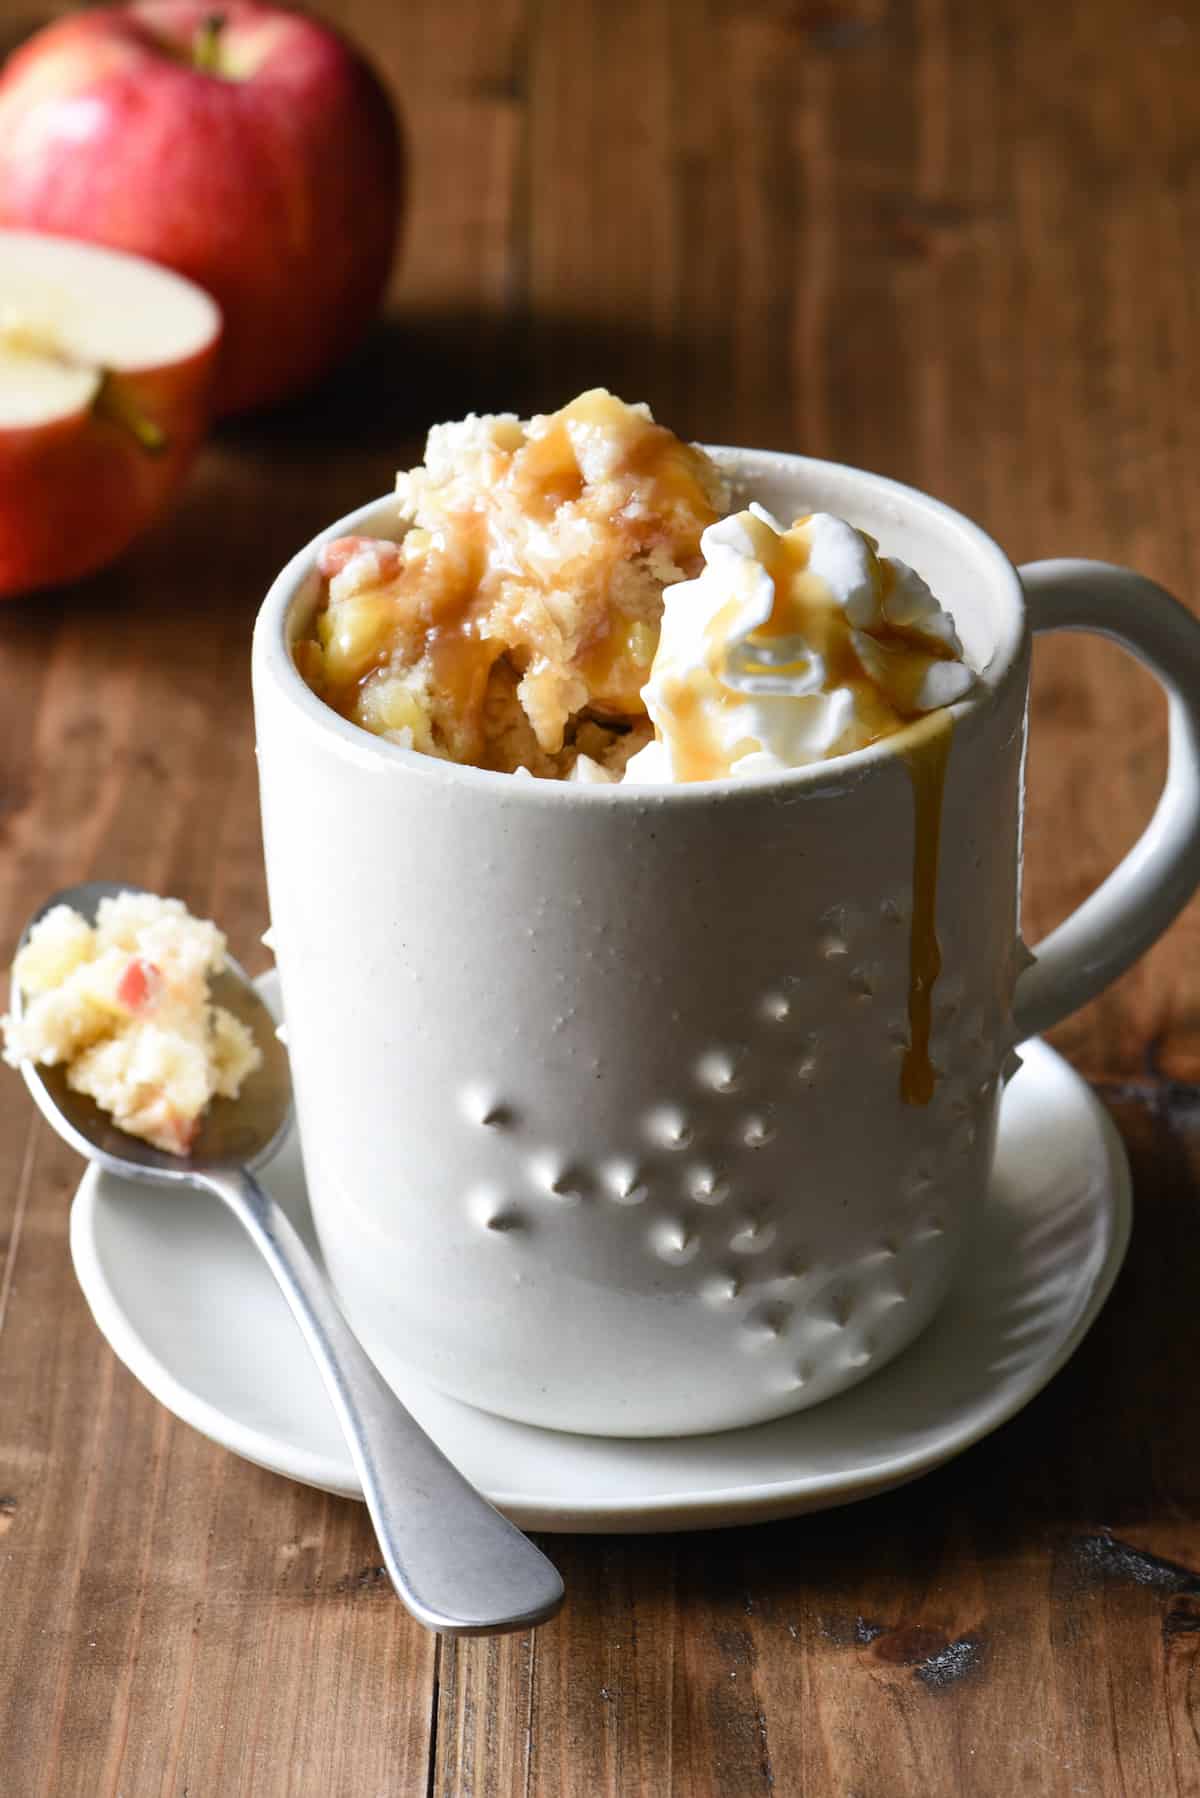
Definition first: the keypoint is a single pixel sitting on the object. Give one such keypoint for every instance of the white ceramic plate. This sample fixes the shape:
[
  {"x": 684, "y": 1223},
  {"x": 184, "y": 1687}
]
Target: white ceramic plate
[{"x": 192, "y": 1312}]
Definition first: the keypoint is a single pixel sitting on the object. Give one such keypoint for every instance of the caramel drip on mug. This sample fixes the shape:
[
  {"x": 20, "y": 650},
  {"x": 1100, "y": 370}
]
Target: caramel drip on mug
[{"x": 926, "y": 760}]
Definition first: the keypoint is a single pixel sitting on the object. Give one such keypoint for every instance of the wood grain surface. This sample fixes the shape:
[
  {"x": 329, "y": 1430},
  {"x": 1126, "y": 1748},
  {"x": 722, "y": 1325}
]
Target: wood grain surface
[{"x": 955, "y": 243}]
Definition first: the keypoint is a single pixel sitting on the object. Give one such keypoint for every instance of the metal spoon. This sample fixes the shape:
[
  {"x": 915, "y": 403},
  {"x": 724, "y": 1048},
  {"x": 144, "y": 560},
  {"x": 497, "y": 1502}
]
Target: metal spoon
[{"x": 457, "y": 1564}]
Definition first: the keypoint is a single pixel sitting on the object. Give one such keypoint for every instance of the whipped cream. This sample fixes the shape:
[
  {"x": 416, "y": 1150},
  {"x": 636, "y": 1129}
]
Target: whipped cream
[{"x": 791, "y": 646}]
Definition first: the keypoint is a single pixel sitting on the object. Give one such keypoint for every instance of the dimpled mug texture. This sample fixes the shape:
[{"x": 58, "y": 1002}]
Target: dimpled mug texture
[{"x": 599, "y": 1089}]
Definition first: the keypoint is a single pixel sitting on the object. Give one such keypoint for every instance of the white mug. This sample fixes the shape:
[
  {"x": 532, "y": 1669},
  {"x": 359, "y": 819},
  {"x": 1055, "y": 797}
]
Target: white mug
[{"x": 614, "y": 1111}]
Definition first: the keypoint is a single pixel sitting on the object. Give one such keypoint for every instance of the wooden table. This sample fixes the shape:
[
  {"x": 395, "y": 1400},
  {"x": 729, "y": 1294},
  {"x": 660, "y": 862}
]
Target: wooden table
[{"x": 953, "y": 243}]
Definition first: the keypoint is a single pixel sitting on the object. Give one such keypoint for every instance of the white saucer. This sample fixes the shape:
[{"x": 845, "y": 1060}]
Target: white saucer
[{"x": 192, "y": 1312}]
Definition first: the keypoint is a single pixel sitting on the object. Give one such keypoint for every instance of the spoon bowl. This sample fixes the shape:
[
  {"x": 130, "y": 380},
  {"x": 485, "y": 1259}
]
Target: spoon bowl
[{"x": 234, "y": 1133}]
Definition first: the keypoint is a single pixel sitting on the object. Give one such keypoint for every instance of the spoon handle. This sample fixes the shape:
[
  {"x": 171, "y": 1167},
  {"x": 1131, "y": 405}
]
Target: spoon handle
[{"x": 457, "y": 1564}]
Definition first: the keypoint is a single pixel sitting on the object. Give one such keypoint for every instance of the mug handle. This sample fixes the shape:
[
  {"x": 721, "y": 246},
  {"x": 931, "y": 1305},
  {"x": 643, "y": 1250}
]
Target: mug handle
[{"x": 1120, "y": 920}]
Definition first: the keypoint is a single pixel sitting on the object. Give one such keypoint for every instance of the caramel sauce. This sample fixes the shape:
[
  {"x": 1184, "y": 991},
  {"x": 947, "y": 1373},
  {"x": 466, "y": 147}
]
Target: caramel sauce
[
  {"x": 925, "y": 756},
  {"x": 308, "y": 659},
  {"x": 462, "y": 664},
  {"x": 697, "y": 751},
  {"x": 545, "y": 474},
  {"x": 673, "y": 467},
  {"x": 616, "y": 665}
]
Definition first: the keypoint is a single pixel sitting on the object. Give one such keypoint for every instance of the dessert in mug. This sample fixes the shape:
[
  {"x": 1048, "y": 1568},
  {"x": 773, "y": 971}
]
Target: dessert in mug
[
  {"x": 575, "y": 596},
  {"x": 697, "y": 1072},
  {"x": 126, "y": 1006},
  {"x": 570, "y": 596}
]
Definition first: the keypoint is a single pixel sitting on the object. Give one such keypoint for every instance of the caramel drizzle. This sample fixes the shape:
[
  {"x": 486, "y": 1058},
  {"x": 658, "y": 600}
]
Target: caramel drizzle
[{"x": 926, "y": 758}]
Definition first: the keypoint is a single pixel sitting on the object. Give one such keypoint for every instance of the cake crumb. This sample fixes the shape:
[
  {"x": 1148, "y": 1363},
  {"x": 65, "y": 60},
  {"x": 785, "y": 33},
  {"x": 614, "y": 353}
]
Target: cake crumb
[{"x": 125, "y": 1005}]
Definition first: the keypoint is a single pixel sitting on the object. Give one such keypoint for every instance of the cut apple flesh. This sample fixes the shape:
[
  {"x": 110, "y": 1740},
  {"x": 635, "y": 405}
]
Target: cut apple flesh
[
  {"x": 34, "y": 389},
  {"x": 74, "y": 318}
]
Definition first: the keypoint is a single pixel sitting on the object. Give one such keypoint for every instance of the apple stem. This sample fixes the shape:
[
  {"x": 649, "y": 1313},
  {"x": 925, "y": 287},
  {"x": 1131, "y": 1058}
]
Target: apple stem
[
  {"x": 206, "y": 45},
  {"x": 113, "y": 403}
]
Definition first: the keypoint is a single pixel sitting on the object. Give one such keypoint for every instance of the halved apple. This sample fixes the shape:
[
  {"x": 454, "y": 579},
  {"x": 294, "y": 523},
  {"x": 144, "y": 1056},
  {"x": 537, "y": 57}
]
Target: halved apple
[{"x": 106, "y": 365}]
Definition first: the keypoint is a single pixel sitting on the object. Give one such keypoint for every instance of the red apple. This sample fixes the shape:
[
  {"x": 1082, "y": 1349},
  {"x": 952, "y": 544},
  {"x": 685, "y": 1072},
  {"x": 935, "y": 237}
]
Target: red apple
[
  {"x": 248, "y": 148},
  {"x": 106, "y": 363}
]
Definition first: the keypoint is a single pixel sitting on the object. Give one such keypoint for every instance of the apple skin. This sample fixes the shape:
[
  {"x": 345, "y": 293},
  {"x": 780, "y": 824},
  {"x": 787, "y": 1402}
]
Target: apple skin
[
  {"x": 76, "y": 491},
  {"x": 274, "y": 183}
]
